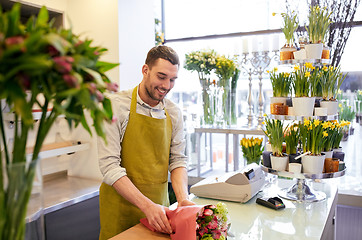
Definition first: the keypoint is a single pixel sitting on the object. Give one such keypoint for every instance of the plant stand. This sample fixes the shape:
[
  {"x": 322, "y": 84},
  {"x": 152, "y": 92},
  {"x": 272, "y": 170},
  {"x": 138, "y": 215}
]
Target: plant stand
[{"x": 301, "y": 192}]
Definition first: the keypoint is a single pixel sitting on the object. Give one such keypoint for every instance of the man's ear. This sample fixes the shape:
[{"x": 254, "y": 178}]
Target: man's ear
[{"x": 145, "y": 69}]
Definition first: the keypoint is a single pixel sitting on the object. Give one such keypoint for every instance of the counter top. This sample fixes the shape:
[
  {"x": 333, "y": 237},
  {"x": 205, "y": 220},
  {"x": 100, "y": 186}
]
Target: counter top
[
  {"x": 252, "y": 221},
  {"x": 61, "y": 192}
]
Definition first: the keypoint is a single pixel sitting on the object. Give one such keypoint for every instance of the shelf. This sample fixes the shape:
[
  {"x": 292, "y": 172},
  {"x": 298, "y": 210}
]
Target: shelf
[
  {"x": 303, "y": 175},
  {"x": 302, "y": 61},
  {"x": 57, "y": 149},
  {"x": 301, "y": 118},
  {"x": 10, "y": 117}
]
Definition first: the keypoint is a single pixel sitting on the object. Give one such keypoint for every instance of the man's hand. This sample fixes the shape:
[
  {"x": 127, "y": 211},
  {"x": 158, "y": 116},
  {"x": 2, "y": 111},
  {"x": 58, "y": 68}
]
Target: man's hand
[
  {"x": 185, "y": 202},
  {"x": 156, "y": 216}
]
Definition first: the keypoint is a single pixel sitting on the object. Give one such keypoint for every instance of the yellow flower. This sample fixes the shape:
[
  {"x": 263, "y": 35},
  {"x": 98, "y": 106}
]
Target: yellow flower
[
  {"x": 325, "y": 134},
  {"x": 316, "y": 122},
  {"x": 275, "y": 69},
  {"x": 325, "y": 68},
  {"x": 307, "y": 74},
  {"x": 267, "y": 71},
  {"x": 306, "y": 122},
  {"x": 296, "y": 67},
  {"x": 325, "y": 125},
  {"x": 286, "y": 74},
  {"x": 265, "y": 115},
  {"x": 309, "y": 65},
  {"x": 274, "y": 14}
]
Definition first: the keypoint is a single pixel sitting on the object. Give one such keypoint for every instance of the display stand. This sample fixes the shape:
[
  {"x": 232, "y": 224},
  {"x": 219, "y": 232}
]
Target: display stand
[{"x": 301, "y": 191}]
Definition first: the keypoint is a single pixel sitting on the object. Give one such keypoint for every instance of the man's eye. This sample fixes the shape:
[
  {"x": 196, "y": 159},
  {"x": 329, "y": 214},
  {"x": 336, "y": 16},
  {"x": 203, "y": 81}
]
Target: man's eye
[{"x": 162, "y": 77}]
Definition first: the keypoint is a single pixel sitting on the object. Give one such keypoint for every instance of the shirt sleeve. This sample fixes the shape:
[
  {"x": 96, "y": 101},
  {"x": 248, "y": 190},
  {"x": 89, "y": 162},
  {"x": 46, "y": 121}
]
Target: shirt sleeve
[
  {"x": 178, "y": 142},
  {"x": 109, "y": 151}
]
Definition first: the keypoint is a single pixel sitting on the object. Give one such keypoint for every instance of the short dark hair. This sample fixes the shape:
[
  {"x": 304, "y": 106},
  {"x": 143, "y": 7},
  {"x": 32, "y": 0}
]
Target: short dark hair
[{"x": 163, "y": 52}]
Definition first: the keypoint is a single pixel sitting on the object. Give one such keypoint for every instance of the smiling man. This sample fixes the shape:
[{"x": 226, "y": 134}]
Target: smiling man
[{"x": 144, "y": 143}]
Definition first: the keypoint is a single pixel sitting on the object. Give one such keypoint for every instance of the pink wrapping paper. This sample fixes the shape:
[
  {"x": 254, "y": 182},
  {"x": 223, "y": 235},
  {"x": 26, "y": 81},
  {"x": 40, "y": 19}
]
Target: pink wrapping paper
[{"x": 183, "y": 222}]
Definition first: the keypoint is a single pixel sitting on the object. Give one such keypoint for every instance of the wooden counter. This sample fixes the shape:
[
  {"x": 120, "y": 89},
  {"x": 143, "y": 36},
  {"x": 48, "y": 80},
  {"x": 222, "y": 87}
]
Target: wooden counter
[{"x": 140, "y": 232}]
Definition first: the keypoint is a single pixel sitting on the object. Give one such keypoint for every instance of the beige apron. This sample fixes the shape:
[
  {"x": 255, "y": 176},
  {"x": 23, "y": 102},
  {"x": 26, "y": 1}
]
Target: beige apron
[{"x": 145, "y": 155}]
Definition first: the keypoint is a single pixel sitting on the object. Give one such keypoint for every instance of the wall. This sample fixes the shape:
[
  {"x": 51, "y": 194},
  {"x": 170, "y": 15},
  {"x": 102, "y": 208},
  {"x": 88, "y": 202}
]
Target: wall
[{"x": 136, "y": 38}]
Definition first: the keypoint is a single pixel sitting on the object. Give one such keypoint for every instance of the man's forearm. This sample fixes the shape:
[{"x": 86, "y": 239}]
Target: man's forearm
[
  {"x": 179, "y": 183},
  {"x": 128, "y": 190}
]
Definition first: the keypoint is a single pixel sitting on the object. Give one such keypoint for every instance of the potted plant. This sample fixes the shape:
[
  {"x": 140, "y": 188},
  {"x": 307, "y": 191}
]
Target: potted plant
[
  {"x": 203, "y": 62},
  {"x": 225, "y": 70},
  {"x": 292, "y": 141},
  {"x": 39, "y": 60},
  {"x": 303, "y": 104},
  {"x": 346, "y": 114},
  {"x": 331, "y": 80},
  {"x": 317, "y": 29},
  {"x": 313, "y": 137},
  {"x": 336, "y": 137},
  {"x": 328, "y": 127},
  {"x": 290, "y": 25},
  {"x": 275, "y": 132},
  {"x": 281, "y": 84},
  {"x": 252, "y": 149}
]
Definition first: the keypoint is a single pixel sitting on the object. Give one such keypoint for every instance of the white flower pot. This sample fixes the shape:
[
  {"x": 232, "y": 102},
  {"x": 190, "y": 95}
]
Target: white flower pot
[
  {"x": 300, "y": 54},
  {"x": 278, "y": 100},
  {"x": 303, "y": 106},
  {"x": 332, "y": 107},
  {"x": 291, "y": 111},
  {"x": 328, "y": 154},
  {"x": 313, "y": 164},
  {"x": 320, "y": 111},
  {"x": 314, "y": 50},
  {"x": 279, "y": 163}
]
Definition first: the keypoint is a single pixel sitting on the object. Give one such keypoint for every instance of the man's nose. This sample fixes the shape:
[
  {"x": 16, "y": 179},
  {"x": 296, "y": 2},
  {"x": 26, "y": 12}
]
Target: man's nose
[{"x": 166, "y": 84}]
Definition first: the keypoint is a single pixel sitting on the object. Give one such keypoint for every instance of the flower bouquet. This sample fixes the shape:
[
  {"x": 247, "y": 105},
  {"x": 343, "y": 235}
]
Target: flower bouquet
[
  {"x": 252, "y": 149},
  {"x": 203, "y": 62},
  {"x": 197, "y": 222},
  {"x": 37, "y": 60}
]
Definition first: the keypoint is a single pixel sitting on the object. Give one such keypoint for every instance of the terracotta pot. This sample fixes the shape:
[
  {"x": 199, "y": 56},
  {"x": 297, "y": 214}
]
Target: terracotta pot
[{"x": 286, "y": 53}]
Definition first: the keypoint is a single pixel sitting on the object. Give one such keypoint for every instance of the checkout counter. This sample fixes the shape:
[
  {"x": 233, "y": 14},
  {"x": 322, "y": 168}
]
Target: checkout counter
[{"x": 298, "y": 220}]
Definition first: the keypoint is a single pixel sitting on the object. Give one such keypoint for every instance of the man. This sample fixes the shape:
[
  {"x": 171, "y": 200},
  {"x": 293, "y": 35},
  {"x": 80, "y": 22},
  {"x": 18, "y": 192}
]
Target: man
[{"x": 144, "y": 143}]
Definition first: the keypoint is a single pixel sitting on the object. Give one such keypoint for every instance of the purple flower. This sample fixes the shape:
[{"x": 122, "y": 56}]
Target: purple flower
[
  {"x": 92, "y": 87},
  {"x": 53, "y": 51},
  {"x": 15, "y": 40},
  {"x": 63, "y": 64},
  {"x": 71, "y": 80},
  {"x": 99, "y": 96},
  {"x": 112, "y": 87}
]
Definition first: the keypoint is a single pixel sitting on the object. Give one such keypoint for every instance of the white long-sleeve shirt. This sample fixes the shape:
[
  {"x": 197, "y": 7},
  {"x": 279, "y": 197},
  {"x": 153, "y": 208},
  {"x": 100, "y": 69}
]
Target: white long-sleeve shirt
[{"x": 109, "y": 155}]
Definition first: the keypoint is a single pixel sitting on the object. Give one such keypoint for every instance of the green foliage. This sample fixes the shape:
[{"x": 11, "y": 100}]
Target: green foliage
[
  {"x": 331, "y": 80},
  {"x": 301, "y": 82},
  {"x": 275, "y": 132},
  {"x": 346, "y": 112},
  {"x": 252, "y": 149},
  {"x": 37, "y": 60},
  {"x": 281, "y": 83},
  {"x": 319, "y": 21},
  {"x": 292, "y": 139},
  {"x": 313, "y": 136},
  {"x": 290, "y": 25}
]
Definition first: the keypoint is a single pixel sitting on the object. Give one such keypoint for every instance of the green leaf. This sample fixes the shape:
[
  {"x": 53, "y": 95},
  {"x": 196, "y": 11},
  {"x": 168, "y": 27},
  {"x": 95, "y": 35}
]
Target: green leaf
[
  {"x": 107, "y": 106},
  {"x": 43, "y": 17},
  {"x": 14, "y": 27},
  {"x": 105, "y": 66},
  {"x": 85, "y": 124},
  {"x": 97, "y": 77},
  {"x": 58, "y": 42}
]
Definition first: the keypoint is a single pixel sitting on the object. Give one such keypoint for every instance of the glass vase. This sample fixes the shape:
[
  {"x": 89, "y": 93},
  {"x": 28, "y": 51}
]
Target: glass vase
[
  {"x": 233, "y": 107},
  {"x": 22, "y": 216},
  {"x": 223, "y": 106},
  {"x": 207, "y": 98}
]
